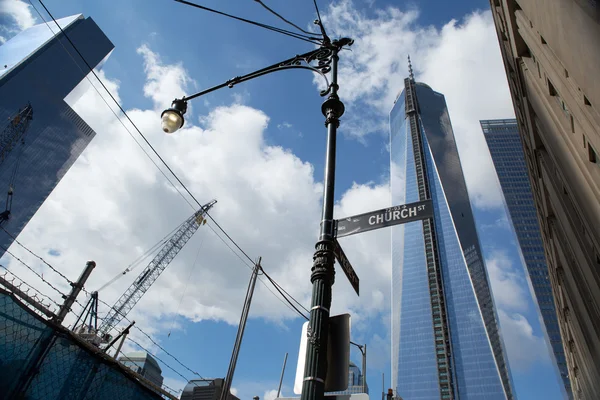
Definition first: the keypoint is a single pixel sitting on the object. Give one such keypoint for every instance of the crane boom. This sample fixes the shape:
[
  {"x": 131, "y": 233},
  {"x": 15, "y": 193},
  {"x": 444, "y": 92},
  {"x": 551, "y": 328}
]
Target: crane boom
[{"x": 149, "y": 275}]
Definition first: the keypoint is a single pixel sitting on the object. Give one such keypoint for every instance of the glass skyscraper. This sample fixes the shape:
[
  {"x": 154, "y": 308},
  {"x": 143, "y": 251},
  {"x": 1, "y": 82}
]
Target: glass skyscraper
[
  {"x": 355, "y": 382},
  {"x": 39, "y": 73},
  {"x": 144, "y": 364},
  {"x": 505, "y": 146},
  {"x": 445, "y": 335}
]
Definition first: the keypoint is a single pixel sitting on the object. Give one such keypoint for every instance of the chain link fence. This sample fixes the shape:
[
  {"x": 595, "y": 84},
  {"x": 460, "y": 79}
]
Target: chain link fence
[{"x": 43, "y": 360}]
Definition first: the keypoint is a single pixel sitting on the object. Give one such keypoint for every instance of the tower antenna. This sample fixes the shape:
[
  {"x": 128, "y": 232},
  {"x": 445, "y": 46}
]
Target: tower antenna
[{"x": 410, "y": 70}]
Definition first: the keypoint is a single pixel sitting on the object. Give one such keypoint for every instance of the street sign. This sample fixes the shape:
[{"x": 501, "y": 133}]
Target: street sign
[
  {"x": 338, "y": 355},
  {"x": 384, "y": 217},
  {"x": 345, "y": 264}
]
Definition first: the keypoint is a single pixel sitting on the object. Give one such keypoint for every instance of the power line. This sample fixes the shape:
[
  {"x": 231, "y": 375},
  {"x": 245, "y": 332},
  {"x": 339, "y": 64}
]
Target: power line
[
  {"x": 277, "y": 287},
  {"x": 285, "y": 20},
  {"x": 320, "y": 21},
  {"x": 303, "y": 37}
]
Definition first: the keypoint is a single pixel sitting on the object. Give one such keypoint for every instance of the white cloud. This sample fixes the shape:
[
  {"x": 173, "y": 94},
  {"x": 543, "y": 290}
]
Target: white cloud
[
  {"x": 508, "y": 286},
  {"x": 461, "y": 60},
  {"x": 524, "y": 349},
  {"x": 165, "y": 83},
  {"x": 20, "y": 12},
  {"x": 284, "y": 125},
  {"x": 234, "y": 391},
  {"x": 270, "y": 395}
]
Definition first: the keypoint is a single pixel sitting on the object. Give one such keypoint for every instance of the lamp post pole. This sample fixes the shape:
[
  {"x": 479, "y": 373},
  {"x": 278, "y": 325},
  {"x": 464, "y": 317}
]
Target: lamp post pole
[
  {"x": 321, "y": 60},
  {"x": 323, "y": 273}
]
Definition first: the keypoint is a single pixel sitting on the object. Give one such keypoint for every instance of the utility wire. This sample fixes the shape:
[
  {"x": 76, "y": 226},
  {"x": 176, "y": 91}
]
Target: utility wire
[
  {"x": 320, "y": 21},
  {"x": 289, "y": 295},
  {"x": 303, "y": 37},
  {"x": 277, "y": 287},
  {"x": 285, "y": 20}
]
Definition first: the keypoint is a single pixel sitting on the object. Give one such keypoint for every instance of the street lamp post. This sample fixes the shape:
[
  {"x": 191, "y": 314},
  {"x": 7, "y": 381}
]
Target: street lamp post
[
  {"x": 363, "y": 351},
  {"x": 322, "y": 61}
]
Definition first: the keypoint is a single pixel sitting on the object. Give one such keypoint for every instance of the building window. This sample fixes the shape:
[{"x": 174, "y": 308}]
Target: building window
[
  {"x": 551, "y": 89},
  {"x": 586, "y": 101},
  {"x": 543, "y": 40},
  {"x": 592, "y": 154},
  {"x": 566, "y": 73},
  {"x": 572, "y": 124}
]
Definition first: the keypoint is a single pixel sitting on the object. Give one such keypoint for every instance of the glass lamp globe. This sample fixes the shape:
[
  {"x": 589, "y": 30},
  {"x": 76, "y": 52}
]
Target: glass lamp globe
[{"x": 172, "y": 120}]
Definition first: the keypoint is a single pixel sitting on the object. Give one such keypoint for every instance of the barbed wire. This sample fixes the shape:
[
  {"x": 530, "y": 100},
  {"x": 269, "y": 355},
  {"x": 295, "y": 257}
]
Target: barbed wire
[
  {"x": 35, "y": 255},
  {"x": 35, "y": 272},
  {"x": 22, "y": 282}
]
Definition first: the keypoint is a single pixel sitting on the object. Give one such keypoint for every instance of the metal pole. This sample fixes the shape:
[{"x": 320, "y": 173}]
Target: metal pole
[
  {"x": 282, "y": 372},
  {"x": 77, "y": 286},
  {"x": 240, "y": 333},
  {"x": 323, "y": 273},
  {"x": 382, "y": 385},
  {"x": 364, "y": 365}
]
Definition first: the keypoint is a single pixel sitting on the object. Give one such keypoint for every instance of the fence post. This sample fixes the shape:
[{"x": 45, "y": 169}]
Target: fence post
[{"x": 39, "y": 353}]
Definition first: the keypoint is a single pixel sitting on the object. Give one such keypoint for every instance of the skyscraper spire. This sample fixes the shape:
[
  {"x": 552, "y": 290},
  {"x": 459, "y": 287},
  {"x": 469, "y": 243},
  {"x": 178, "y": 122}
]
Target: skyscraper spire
[{"x": 410, "y": 70}]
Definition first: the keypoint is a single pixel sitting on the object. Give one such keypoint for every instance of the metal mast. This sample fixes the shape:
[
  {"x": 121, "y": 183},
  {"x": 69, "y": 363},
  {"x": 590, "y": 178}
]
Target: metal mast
[
  {"x": 14, "y": 131},
  {"x": 149, "y": 275},
  {"x": 11, "y": 135}
]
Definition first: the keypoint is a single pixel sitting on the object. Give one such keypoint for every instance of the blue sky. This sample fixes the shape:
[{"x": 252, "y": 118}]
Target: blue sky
[{"x": 259, "y": 149}]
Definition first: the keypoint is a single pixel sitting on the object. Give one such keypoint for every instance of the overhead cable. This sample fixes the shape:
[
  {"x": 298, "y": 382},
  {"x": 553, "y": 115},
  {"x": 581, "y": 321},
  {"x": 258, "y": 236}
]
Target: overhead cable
[
  {"x": 285, "y": 20},
  {"x": 303, "y": 37}
]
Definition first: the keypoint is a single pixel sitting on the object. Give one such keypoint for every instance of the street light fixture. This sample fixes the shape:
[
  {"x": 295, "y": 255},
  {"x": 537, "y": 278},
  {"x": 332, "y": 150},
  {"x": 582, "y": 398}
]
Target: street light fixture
[
  {"x": 363, "y": 351},
  {"x": 172, "y": 118},
  {"x": 322, "y": 61}
]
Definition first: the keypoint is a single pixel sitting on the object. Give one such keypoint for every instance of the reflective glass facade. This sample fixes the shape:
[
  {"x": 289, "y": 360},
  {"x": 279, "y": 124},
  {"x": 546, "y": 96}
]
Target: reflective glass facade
[
  {"x": 144, "y": 364},
  {"x": 355, "y": 382},
  {"x": 503, "y": 140},
  {"x": 445, "y": 339},
  {"x": 41, "y": 69}
]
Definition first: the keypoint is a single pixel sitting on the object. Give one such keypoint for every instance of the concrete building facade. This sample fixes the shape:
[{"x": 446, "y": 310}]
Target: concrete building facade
[{"x": 551, "y": 52}]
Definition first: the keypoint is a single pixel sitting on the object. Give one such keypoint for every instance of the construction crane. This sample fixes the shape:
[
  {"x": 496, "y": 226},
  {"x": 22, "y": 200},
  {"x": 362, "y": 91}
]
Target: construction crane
[
  {"x": 13, "y": 134},
  {"x": 149, "y": 275}
]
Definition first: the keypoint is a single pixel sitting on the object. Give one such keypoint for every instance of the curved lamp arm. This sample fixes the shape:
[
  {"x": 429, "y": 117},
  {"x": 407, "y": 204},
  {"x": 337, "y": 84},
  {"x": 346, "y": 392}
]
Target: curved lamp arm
[
  {"x": 318, "y": 60},
  {"x": 302, "y": 61}
]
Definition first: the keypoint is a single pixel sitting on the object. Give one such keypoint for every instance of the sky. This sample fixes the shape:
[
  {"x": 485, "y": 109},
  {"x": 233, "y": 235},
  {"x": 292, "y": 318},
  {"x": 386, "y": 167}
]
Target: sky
[{"x": 259, "y": 150}]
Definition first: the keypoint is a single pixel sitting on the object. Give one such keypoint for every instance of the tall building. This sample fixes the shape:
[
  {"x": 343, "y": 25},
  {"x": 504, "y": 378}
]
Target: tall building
[
  {"x": 39, "y": 73},
  {"x": 445, "y": 335},
  {"x": 144, "y": 364},
  {"x": 503, "y": 140},
  {"x": 205, "y": 389},
  {"x": 551, "y": 53},
  {"x": 355, "y": 382}
]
